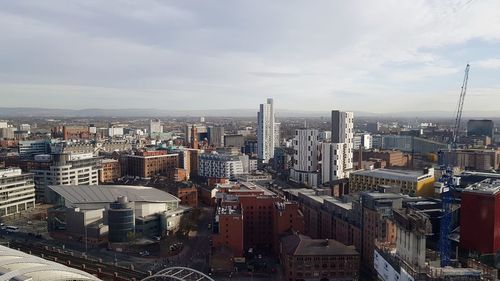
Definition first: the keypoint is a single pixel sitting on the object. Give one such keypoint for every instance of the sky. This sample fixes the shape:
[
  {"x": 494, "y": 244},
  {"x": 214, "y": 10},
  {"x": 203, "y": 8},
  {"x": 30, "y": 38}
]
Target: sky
[{"x": 374, "y": 56}]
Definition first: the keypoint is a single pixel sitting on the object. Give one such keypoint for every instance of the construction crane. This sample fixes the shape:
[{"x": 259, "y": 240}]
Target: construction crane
[{"x": 449, "y": 183}]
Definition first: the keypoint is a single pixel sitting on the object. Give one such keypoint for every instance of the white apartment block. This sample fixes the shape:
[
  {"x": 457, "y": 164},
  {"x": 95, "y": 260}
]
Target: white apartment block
[
  {"x": 155, "y": 126},
  {"x": 213, "y": 165},
  {"x": 364, "y": 140},
  {"x": 343, "y": 132},
  {"x": 332, "y": 165},
  {"x": 266, "y": 129},
  {"x": 305, "y": 163},
  {"x": 18, "y": 191}
]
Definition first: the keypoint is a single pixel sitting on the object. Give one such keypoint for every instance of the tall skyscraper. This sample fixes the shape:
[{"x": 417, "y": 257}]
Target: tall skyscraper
[
  {"x": 266, "y": 131},
  {"x": 305, "y": 159},
  {"x": 216, "y": 136},
  {"x": 337, "y": 155},
  {"x": 343, "y": 132}
]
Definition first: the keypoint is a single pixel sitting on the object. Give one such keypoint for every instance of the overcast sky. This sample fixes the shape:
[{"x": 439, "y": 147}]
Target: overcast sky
[{"x": 378, "y": 56}]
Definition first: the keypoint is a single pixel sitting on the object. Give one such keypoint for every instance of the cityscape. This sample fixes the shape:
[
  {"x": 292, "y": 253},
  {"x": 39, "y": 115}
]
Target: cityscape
[{"x": 125, "y": 173}]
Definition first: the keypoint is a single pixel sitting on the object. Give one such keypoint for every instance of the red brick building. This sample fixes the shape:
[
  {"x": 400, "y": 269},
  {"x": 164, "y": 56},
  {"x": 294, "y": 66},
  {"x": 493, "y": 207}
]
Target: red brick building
[
  {"x": 147, "y": 164},
  {"x": 110, "y": 170},
  {"x": 188, "y": 195},
  {"x": 480, "y": 218},
  {"x": 304, "y": 258},
  {"x": 265, "y": 217},
  {"x": 75, "y": 132},
  {"x": 229, "y": 230}
]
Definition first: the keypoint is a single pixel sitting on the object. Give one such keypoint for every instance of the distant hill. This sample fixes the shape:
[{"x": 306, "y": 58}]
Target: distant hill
[{"x": 135, "y": 112}]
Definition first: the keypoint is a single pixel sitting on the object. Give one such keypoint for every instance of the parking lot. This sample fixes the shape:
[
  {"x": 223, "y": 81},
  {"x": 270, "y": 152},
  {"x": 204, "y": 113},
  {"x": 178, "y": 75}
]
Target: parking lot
[{"x": 32, "y": 221}]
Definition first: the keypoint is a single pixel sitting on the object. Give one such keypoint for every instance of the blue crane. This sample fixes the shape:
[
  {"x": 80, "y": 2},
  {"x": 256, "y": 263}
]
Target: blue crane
[{"x": 447, "y": 194}]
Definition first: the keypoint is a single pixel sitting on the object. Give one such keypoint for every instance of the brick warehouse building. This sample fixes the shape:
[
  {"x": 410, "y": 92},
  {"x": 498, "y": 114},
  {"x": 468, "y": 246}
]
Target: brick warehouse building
[
  {"x": 304, "y": 258},
  {"x": 146, "y": 164},
  {"x": 258, "y": 214}
]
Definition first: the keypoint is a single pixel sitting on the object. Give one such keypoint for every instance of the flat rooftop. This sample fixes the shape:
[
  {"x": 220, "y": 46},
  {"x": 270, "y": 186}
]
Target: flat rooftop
[
  {"x": 487, "y": 186},
  {"x": 393, "y": 174}
]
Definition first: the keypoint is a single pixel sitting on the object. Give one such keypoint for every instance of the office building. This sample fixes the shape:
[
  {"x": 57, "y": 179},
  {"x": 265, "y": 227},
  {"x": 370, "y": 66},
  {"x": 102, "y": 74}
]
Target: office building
[
  {"x": 364, "y": 140},
  {"x": 18, "y": 191},
  {"x": 64, "y": 169},
  {"x": 155, "y": 127},
  {"x": 304, "y": 258},
  {"x": 237, "y": 141},
  {"x": 266, "y": 138},
  {"x": 28, "y": 149},
  {"x": 410, "y": 182},
  {"x": 306, "y": 153},
  {"x": 480, "y": 128},
  {"x": 216, "y": 136}
]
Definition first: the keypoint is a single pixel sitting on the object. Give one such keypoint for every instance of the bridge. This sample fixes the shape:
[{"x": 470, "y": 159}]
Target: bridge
[{"x": 179, "y": 273}]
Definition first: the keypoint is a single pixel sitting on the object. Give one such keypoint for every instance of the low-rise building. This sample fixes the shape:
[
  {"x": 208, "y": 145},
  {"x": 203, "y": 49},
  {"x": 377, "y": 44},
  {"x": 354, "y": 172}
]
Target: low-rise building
[
  {"x": 110, "y": 170},
  {"x": 304, "y": 258},
  {"x": 411, "y": 182}
]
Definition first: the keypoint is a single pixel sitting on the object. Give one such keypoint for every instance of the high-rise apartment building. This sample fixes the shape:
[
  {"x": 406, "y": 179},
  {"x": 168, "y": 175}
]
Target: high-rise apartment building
[
  {"x": 18, "y": 191},
  {"x": 332, "y": 164},
  {"x": 343, "y": 132},
  {"x": 216, "y": 136},
  {"x": 337, "y": 156},
  {"x": 305, "y": 162},
  {"x": 266, "y": 131}
]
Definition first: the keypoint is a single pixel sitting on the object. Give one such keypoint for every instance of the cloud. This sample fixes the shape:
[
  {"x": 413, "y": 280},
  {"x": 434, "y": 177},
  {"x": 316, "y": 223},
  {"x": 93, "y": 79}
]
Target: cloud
[
  {"x": 493, "y": 63},
  {"x": 207, "y": 54}
]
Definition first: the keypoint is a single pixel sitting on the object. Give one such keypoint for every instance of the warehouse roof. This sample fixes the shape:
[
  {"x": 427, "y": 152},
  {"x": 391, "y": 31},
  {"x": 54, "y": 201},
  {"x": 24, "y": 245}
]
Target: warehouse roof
[
  {"x": 16, "y": 265},
  {"x": 81, "y": 194}
]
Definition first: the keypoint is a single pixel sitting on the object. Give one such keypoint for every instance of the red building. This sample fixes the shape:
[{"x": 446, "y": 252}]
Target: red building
[
  {"x": 75, "y": 132},
  {"x": 480, "y": 217},
  {"x": 229, "y": 230},
  {"x": 265, "y": 217},
  {"x": 304, "y": 258}
]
